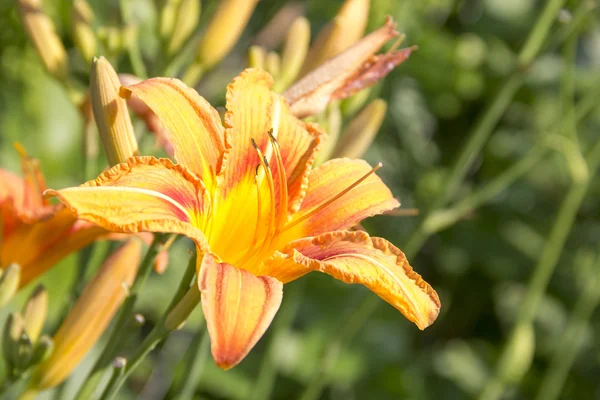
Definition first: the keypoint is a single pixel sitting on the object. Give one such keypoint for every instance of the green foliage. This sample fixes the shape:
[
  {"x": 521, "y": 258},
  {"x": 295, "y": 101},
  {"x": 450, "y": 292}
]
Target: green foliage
[{"x": 481, "y": 262}]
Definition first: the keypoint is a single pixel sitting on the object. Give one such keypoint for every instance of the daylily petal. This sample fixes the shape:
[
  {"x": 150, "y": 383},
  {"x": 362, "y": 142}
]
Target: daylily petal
[
  {"x": 238, "y": 308},
  {"x": 249, "y": 104},
  {"x": 144, "y": 194},
  {"x": 38, "y": 246},
  {"x": 368, "y": 198},
  {"x": 299, "y": 143},
  {"x": 354, "y": 257},
  {"x": 194, "y": 126}
]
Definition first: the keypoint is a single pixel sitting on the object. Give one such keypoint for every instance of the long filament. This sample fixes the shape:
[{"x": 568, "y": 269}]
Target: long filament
[
  {"x": 334, "y": 198},
  {"x": 281, "y": 175}
]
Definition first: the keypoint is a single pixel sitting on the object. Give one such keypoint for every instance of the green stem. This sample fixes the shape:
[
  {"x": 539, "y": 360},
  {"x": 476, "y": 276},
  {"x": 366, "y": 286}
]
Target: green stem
[
  {"x": 569, "y": 344},
  {"x": 344, "y": 335},
  {"x": 125, "y": 315},
  {"x": 540, "y": 31},
  {"x": 441, "y": 219},
  {"x": 133, "y": 49},
  {"x": 477, "y": 139},
  {"x": 267, "y": 372},
  {"x": 542, "y": 273},
  {"x": 186, "y": 298},
  {"x": 195, "y": 362}
]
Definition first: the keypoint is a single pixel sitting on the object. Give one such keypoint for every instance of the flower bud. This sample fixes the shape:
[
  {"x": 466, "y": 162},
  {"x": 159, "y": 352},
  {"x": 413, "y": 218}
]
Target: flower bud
[
  {"x": 41, "y": 31},
  {"x": 332, "y": 124},
  {"x": 224, "y": 30},
  {"x": 82, "y": 31},
  {"x": 14, "y": 328},
  {"x": 90, "y": 315},
  {"x": 343, "y": 31},
  {"x": 273, "y": 64},
  {"x": 43, "y": 349},
  {"x": 293, "y": 53},
  {"x": 360, "y": 132},
  {"x": 9, "y": 283},
  {"x": 186, "y": 20},
  {"x": 35, "y": 311},
  {"x": 111, "y": 113},
  {"x": 257, "y": 57},
  {"x": 519, "y": 355}
]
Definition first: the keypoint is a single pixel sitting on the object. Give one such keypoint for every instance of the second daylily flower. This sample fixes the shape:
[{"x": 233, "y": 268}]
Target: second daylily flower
[{"x": 260, "y": 215}]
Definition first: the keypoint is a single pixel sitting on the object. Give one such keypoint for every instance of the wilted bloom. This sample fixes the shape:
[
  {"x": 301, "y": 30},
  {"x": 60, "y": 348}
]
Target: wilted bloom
[
  {"x": 111, "y": 113},
  {"x": 36, "y": 234},
  {"x": 259, "y": 214},
  {"x": 347, "y": 73},
  {"x": 90, "y": 315},
  {"x": 41, "y": 31}
]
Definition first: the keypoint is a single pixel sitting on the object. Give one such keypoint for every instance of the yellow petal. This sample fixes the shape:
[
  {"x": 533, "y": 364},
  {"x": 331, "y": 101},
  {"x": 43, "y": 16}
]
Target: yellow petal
[
  {"x": 249, "y": 104},
  {"x": 252, "y": 112},
  {"x": 90, "y": 315},
  {"x": 325, "y": 182},
  {"x": 354, "y": 257},
  {"x": 238, "y": 308},
  {"x": 193, "y": 125},
  {"x": 143, "y": 195}
]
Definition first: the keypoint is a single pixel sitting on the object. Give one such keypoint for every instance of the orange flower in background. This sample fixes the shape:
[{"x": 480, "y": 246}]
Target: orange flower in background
[
  {"x": 36, "y": 234},
  {"x": 246, "y": 193}
]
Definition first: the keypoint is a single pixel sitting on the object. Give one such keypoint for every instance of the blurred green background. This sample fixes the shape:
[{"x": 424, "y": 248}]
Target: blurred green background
[{"x": 481, "y": 265}]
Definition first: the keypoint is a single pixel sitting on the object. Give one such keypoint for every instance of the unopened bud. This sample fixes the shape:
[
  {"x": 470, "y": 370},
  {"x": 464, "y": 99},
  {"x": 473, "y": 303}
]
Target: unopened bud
[
  {"x": 168, "y": 15},
  {"x": 224, "y": 30},
  {"x": 90, "y": 315},
  {"x": 343, "y": 31},
  {"x": 13, "y": 328},
  {"x": 43, "y": 349},
  {"x": 273, "y": 64},
  {"x": 333, "y": 126},
  {"x": 35, "y": 311},
  {"x": 186, "y": 20},
  {"x": 9, "y": 283},
  {"x": 293, "y": 53},
  {"x": 360, "y": 132},
  {"x": 82, "y": 31},
  {"x": 111, "y": 113},
  {"x": 519, "y": 354},
  {"x": 257, "y": 57},
  {"x": 352, "y": 104},
  {"x": 23, "y": 352},
  {"x": 41, "y": 31}
]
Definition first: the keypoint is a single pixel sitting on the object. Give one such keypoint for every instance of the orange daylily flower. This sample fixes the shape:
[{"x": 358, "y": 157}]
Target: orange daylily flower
[
  {"x": 36, "y": 234},
  {"x": 246, "y": 193}
]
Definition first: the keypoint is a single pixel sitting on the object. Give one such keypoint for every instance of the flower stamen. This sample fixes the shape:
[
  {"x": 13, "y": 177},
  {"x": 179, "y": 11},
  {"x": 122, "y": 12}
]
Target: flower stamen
[
  {"x": 334, "y": 198},
  {"x": 282, "y": 178}
]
